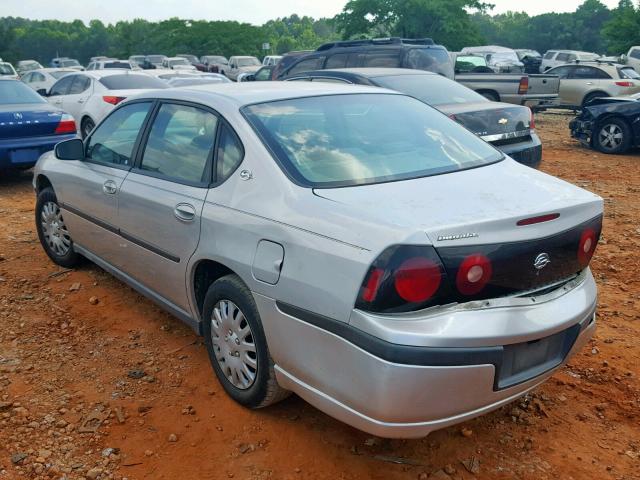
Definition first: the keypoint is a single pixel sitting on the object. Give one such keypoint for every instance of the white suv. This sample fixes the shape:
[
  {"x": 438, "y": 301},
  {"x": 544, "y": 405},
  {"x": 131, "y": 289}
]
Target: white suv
[{"x": 554, "y": 58}]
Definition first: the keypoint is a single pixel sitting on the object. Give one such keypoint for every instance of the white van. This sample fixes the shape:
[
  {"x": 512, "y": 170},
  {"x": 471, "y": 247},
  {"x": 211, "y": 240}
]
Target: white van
[{"x": 633, "y": 58}]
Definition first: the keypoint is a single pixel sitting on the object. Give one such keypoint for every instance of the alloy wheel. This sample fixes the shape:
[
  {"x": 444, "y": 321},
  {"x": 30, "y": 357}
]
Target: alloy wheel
[
  {"x": 233, "y": 344},
  {"x": 54, "y": 229},
  {"x": 610, "y": 136}
]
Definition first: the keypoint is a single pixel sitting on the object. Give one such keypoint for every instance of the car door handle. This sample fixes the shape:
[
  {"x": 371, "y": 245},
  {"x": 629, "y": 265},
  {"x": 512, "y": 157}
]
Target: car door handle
[
  {"x": 81, "y": 100},
  {"x": 589, "y": 83},
  {"x": 109, "y": 187},
  {"x": 185, "y": 212}
]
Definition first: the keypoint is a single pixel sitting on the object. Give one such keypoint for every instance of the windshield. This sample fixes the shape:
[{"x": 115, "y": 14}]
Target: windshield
[
  {"x": 117, "y": 65},
  {"x": 359, "y": 139},
  {"x": 17, "y": 92},
  {"x": 7, "y": 69},
  {"x": 504, "y": 57},
  {"x": 30, "y": 65},
  {"x": 69, "y": 63},
  {"x": 156, "y": 58},
  {"x": 629, "y": 72},
  {"x": 190, "y": 58},
  {"x": 179, "y": 61},
  {"x": 430, "y": 89},
  {"x": 126, "y": 82},
  {"x": 248, "y": 62},
  {"x": 60, "y": 73}
]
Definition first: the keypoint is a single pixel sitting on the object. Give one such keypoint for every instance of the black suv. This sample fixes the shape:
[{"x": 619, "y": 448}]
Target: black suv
[{"x": 418, "y": 54}]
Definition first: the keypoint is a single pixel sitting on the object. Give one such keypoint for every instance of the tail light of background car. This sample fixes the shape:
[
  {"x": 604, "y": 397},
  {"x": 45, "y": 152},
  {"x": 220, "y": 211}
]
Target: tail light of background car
[
  {"x": 625, "y": 84},
  {"x": 113, "y": 100},
  {"x": 67, "y": 125},
  {"x": 523, "y": 88}
]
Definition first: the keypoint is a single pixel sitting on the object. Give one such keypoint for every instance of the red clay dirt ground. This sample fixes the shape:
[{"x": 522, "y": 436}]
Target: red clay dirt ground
[{"x": 65, "y": 364}]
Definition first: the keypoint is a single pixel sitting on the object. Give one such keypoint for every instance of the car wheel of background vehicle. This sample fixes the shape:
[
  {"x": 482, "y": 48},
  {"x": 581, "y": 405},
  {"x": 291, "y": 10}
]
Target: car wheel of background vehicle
[
  {"x": 52, "y": 231},
  {"x": 612, "y": 136},
  {"x": 490, "y": 96},
  {"x": 86, "y": 127},
  {"x": 592, "y": 96},
  {"x": 237, "y": 345}
]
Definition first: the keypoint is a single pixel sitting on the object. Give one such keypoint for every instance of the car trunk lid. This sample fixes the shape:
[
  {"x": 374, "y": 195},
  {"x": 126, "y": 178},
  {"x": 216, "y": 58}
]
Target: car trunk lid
[
  {"x": 492, "y": 121},
  {"x": 21, "y": 120}
]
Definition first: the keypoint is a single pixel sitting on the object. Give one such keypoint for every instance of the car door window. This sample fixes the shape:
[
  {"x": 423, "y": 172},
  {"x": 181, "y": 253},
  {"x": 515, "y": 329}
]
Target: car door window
[
  {"x": 338, "y": 60},
  {"x": 114, "y": 139},
  {"x": 229, "y": 153},
  {"x": 562, "y": 57},
  {"x": 635, "y": 53},
  {"x": 27, "y": 78},
  {"x": 263, "y": 74},
  {"x": 61, "y": 87},
  {"x": 80, "y": 84},
  {"x": 307, "y": 65},
  {"x": 180, "y": 143},
  {"x": 381, "y": 58},
  {"x": 589, "y": 73},
  {"x": 37, "y": 77},
  {"x": 549, "y": 55},
  {"x": 562, "y": 72}
]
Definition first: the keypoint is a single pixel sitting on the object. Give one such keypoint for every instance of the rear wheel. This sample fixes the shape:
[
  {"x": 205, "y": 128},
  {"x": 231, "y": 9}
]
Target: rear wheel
[
  {"x": 592, "y": 96},
  {"x": 237, "y": 345},
  {"x": 86, "y": 127},
  {"x": 52, "y": 230},
  {"x": 612, "y": 136}
]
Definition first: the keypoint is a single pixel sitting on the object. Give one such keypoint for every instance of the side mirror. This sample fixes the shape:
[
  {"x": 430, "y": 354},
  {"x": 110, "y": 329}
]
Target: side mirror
[
  {"x": 70, "y": 150},
  {"x": 43, "y": 92}
]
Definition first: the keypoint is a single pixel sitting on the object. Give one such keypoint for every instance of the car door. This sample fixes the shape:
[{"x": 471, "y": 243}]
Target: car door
[
  {"x": 161, "y": 199},
  {"x": 76, "y": 98},
  {"x": 584, "y": 80},
  {"x": 567, "y": 86},
  {"x": 59, "y": 90},
  {"x": 90, "y": 188}
]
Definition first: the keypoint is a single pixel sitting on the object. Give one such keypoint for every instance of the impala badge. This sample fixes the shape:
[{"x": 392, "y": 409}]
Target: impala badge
[
  {"x": 503, "y": 121},
  {"x": 17, "y": 116},
  {"x": 541, "y": 261}
]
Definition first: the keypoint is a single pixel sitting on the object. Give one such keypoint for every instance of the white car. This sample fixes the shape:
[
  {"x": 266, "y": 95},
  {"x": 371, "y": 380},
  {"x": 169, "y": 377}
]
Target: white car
[
  {"x": 42, "y": 79},
  {"x": 177, "y": 63},
  {"x": 271, "y": 60},
  {"x": 111, "y": 63},
  {"x": 25, "y": 66},
  {"x": 554, "y": 58},
  {"x": 189, "y": 80},
  {"x": 7, "y": 71},
  {"x": 90, "y": 96}
]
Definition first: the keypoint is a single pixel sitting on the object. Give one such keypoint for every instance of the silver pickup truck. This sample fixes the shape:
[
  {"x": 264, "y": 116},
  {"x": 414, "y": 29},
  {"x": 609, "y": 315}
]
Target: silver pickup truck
[{"x": 535, "y": 91}]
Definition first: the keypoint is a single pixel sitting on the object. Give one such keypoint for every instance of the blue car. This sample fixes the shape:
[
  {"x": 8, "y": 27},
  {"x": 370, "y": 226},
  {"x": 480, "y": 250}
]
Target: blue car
[{"x": 29, "y": 125}]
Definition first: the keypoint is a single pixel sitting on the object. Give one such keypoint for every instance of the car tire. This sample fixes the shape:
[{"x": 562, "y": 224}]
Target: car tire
[
  {"x": 86, "y": 127},
  {"x": 490, "y": 96},
  {"x": 52, "y": 231},
  {"x": 231, "y": 320},
  {"x": 613, "y": 136},
  {"x": 592, "y": 96}
]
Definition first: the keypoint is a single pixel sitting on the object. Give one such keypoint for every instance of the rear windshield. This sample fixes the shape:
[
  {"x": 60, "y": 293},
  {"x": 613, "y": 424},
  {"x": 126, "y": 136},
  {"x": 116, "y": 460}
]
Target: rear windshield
[
  {"x": 359, "y": 139},
  {"x": 156, "y": 58},
  {"x": 126, "y": 82},
  {"x": 432, "y": 59},
  {"x": 117, "y": 65},
  {"x": 59, "y": 73},
  {"x": 69, "y": 63},
  {"x": 629, "y": 72},
  {"x": 247, "y": 62},
  {"x": 430, "y": 89},
  {"x": 18, "y": 92}
]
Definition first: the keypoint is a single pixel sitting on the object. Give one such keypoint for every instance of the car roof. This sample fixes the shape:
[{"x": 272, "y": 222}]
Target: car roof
[
  {"x": 108, "y": 72},
  {"x": 369, "y": 72},
  {"x": 54, "y": 69},
  {"x": 247, "y": 93}
]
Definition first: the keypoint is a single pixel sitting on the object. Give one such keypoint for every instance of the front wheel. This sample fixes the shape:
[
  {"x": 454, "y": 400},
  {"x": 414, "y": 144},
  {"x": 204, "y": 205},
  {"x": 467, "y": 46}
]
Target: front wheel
[
  {"x": 237, "y": 345},
  {"x": 612, "y": 136},
  {"x": 52, "y": 230}
]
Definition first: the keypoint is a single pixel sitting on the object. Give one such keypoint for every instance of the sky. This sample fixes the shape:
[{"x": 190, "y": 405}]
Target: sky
[{"x": 252, "y": 11}]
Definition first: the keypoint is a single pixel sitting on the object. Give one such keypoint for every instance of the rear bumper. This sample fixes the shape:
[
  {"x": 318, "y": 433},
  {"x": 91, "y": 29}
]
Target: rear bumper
[
  {"x": 24, "y": 152},
  {"x": 408, "y": 390},
  {"x": 528, "y": 153}
]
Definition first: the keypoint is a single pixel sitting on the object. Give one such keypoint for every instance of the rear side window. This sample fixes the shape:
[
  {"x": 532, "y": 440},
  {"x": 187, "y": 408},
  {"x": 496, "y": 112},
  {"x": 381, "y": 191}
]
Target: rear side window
[
  {"x": 180, "y": 143},
  {"x": 126, "y": 81},
  {"x": 629, "y": 73},
  {"x": 635, "y": 53},
  {"x": 62, "y": 86},
  {"x": 230, "y": 154},
  {"x": 381, "y": 58},
  {"x": 563, "y": 57},
  {"x": 432, "y": 59},
  {"x": 338, "y": 60},
  {"x": 306, "y": 65},
  {"x": 113, "y": 141}
]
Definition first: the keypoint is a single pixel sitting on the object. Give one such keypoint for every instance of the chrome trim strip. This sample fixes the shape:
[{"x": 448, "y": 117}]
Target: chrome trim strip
[{"x": 506, "y": 136}]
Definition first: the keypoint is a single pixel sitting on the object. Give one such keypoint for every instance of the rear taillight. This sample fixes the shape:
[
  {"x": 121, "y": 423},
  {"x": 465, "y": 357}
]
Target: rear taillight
[
  {"x": 587, "y": 246},
  {"x": 532, "y": 120},
  {"x": 523, "y": 88},
  {"x": 474, "y": 274},
  {"x": 625, "y": 84},
  {"x": 67, "y": 125},
  {"x": 113, "y": 100},
  {"x": 402, "y": 278}
]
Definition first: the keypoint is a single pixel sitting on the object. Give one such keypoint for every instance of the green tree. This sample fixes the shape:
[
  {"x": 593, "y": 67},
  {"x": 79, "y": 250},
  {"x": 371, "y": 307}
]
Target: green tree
[{"x": 622, "y": 31}]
